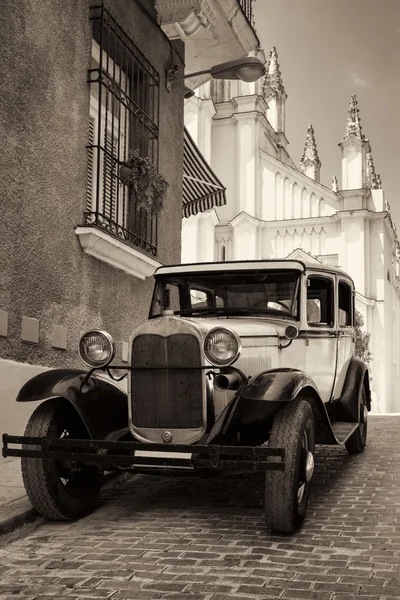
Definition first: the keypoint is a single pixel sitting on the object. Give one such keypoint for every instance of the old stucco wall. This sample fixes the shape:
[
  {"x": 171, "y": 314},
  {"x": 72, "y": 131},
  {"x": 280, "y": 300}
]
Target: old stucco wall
[{"x": 45, "y": 47}]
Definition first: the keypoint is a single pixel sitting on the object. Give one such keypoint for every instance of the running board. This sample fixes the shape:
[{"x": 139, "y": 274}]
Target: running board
[{"x": 343, "y": 430}]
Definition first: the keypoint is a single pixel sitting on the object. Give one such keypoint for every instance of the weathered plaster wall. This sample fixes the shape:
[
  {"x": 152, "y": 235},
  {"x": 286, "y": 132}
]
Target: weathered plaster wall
[{"x": 45, "y": 47}]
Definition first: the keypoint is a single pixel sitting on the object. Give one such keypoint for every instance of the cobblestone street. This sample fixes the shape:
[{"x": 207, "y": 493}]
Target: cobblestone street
[{"x": 205, "y": 539}]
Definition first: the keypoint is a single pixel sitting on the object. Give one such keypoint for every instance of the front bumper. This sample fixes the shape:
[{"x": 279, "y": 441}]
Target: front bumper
[{"x": 138, "y": 456}]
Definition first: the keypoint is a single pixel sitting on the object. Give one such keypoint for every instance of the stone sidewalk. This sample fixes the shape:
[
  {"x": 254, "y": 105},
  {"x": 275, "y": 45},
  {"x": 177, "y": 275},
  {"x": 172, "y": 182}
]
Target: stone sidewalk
[
  {"x": 11, "y": 486},
  {"x": 15, "y": 508}
]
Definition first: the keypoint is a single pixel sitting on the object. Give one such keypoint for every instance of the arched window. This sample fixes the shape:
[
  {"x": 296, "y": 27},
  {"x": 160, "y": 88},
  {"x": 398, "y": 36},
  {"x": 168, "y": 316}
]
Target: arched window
[
  {"x": 287, "y": 214},
  {"x": 305, "y": 204}
]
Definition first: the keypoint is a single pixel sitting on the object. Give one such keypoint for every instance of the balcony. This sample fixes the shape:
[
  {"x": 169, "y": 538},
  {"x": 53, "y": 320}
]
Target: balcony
[
  {"x": 247, "y": 8},
  {"x": 214, "y": 31}
]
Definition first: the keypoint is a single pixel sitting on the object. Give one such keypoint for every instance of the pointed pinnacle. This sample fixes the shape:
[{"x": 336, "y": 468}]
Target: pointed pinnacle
[
  {"x": 353, "y": 126},
  {"x": 373, "y": 179},
  {"x": 310, "y": 152},
  {"x": 273, "y": 77},
  {"x": 371, "y": 174}
]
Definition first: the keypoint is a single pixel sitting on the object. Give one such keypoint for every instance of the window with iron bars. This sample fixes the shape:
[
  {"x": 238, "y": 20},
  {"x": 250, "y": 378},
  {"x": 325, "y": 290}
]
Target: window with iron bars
[{"x": 124, "y": 116}]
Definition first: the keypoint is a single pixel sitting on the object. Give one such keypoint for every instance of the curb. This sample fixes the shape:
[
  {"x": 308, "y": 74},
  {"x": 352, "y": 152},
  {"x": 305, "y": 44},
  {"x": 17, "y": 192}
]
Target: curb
[
  {"x": 20, "y": 512},
  {"x": 17, "y": 516}
]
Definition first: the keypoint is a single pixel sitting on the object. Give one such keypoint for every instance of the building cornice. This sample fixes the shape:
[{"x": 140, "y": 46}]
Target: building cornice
[
  {"x": 360, "y": 213},
  {"x": 364, "y": 300},
  {"x": 364, "y": 192}
]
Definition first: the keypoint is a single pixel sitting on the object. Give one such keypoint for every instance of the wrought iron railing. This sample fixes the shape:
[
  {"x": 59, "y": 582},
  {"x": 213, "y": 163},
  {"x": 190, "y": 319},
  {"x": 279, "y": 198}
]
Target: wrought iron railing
[
  {"x": 124, "y": 117},
  {"x": 247, "y": 8}
]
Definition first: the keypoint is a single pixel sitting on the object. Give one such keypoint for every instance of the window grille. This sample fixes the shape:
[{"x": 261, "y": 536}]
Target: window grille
[{"x": 124, "y": 116}]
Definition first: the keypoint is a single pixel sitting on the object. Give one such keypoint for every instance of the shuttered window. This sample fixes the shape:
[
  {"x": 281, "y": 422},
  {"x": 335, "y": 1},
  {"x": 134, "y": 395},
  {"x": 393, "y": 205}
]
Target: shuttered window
[
  {"x": 110, "y": 180},
  {"x": 124, "y": 112}
]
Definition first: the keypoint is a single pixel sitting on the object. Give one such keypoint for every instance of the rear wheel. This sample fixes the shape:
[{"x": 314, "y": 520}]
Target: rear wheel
[
  {"x": 59, "y": 490},
  {"x": 357, "y": 442},
  {"x": 287, "y": 492}
]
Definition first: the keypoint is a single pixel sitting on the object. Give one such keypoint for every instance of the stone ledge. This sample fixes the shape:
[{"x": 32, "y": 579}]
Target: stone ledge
[{"x": 115, "y": 252}]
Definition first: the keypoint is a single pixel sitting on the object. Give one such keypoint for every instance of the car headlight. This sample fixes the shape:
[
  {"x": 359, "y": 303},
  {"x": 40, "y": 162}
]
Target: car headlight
[
  {"x": 222, "y": 346},
  {"x": 96, "y": 348}
]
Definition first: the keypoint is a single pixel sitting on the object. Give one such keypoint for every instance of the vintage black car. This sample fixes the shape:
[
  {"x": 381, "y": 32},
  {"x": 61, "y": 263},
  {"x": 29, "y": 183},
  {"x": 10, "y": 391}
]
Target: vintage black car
[{"x": 241, "y": 366}]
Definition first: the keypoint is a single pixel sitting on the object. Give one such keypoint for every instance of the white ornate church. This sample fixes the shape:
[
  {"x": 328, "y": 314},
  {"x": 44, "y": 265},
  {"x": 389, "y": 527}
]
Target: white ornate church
[{"x": 275, "y": 209}]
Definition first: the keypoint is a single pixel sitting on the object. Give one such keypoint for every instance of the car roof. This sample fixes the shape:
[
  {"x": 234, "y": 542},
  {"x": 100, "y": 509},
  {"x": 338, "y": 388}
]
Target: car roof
[{"x": 248, "y": 265}]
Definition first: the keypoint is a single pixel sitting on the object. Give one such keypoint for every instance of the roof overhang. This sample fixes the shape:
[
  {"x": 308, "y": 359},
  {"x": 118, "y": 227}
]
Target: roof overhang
[{"x": 202, "y": 190}]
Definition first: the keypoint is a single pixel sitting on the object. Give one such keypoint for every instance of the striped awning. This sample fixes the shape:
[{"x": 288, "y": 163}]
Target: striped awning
[{"x": 202, "y": 189}]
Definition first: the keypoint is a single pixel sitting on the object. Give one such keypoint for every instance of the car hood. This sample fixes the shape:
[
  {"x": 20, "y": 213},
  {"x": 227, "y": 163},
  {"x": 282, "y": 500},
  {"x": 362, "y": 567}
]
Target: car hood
[{"x": 243, "y": 326}]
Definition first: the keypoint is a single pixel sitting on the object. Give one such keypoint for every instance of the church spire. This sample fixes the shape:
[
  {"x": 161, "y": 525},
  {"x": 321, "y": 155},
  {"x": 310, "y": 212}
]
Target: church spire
[
  {"x": 273, "y": 77},
  {"x": 353, "y": 126},
  {"x": 275, "y": 96},
  {"x": 310, "y": 164},
  {"x": 355, "y": 148}
]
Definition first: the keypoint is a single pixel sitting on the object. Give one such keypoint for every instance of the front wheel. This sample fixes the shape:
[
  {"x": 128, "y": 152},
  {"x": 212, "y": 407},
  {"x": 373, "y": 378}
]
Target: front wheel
[
  {"x": 59, "y": 490},
  {"x": 287, "y": 492}
]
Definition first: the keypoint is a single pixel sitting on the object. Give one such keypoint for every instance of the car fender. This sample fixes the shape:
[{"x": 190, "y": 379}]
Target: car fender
[
  {"x": 277, "y": 385},
  {"x": 256, "y": 402},
  {"x": 347, "y": 408},
  {"x": 102, "y": 405}
]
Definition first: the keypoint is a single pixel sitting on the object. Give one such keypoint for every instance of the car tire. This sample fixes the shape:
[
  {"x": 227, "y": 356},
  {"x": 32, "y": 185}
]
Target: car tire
[
  {"x": 59, "y": 491},
  {"x": 357, "y": 442},
  {"x": 287, "y": 492}
]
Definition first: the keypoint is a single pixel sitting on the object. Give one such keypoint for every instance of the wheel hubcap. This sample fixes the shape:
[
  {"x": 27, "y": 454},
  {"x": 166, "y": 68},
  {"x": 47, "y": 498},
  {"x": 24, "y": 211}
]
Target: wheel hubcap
[
  {"x": 309, "y": 466},
  {"x": 306, "y": 469},
  {"x": 365, "y": 414}
]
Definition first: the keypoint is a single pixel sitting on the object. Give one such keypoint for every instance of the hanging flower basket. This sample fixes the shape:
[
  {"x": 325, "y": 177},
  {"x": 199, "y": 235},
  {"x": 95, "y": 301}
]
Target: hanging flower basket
[{"x": 149, "y": 187}]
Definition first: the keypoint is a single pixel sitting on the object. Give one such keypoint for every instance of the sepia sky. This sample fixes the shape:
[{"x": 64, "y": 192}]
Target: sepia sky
[{"x": 329, "y": 50}]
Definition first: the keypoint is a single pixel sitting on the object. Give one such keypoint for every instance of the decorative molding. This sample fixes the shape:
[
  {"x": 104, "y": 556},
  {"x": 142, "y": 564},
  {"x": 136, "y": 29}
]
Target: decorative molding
[
  {"x": 189, "y": 15},
  {"x": 115, "y": 252},
  {"x": 309, "y": 183}
]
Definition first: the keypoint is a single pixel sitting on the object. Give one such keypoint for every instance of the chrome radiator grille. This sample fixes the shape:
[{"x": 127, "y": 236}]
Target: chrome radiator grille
[{"x": 166, "y": 398}]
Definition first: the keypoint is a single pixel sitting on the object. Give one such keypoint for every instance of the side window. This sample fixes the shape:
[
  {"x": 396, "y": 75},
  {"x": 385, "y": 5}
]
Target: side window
[
  {"x": 320, "y": 301},
  {"x": 204, "y": 298},
  {"x": 345, "y": 316},
  {"x": 199, "y": 298}
]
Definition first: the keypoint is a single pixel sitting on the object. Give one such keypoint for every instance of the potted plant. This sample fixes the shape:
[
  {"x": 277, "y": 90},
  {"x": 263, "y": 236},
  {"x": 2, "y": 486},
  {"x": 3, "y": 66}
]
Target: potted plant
[{"x": 149, "y": 186}]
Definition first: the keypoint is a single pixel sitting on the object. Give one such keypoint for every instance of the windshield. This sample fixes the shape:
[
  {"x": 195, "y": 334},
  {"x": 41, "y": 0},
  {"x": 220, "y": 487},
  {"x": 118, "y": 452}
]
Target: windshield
[{"x": 229, "y": 293}]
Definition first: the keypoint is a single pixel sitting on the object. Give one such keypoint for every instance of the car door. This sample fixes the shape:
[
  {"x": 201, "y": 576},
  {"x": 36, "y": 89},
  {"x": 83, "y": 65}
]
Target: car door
[
  {"x": 345, "y": 325},
  {"x": 320, "y": 332}
]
